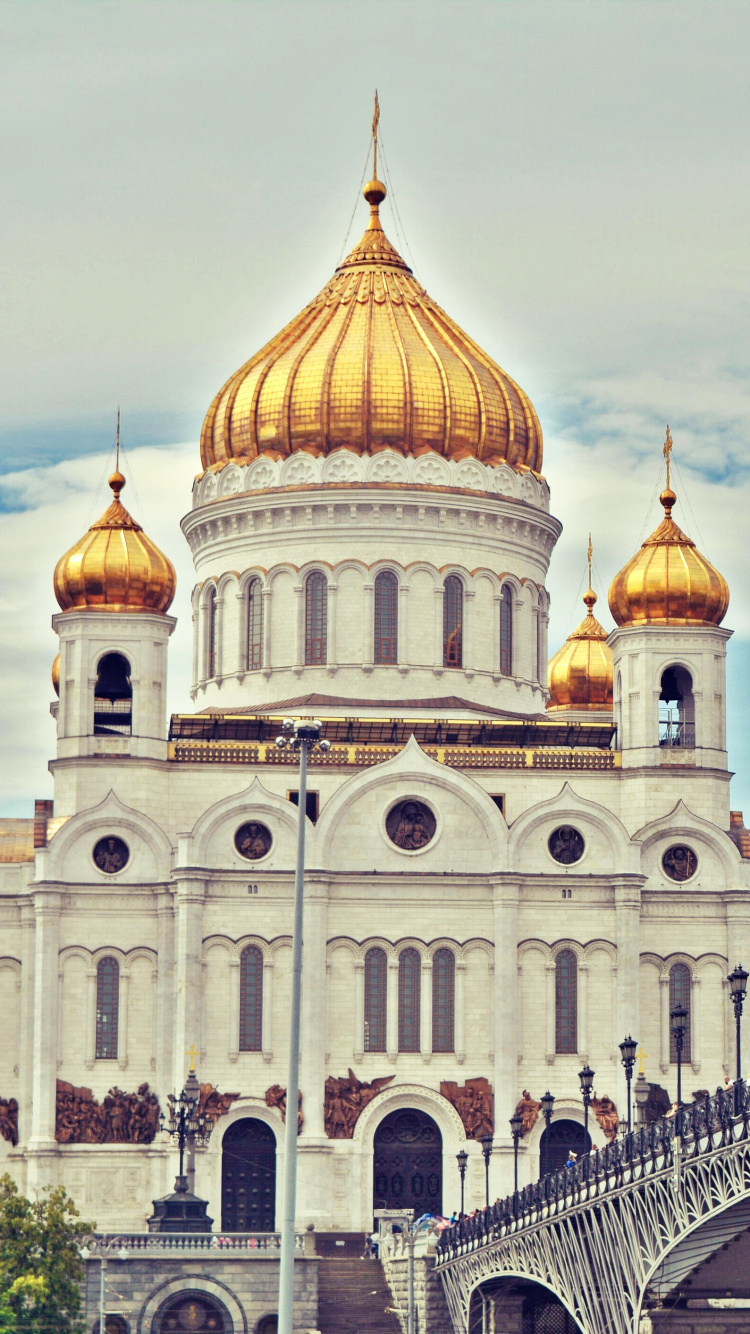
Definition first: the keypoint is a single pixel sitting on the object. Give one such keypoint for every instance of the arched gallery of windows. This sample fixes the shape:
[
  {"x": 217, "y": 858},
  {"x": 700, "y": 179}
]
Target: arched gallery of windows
[{"x": 408, "y": 1002}]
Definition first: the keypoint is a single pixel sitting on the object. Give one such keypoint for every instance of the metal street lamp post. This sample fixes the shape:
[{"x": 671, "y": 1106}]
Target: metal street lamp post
[
  {"x": 187, "y": 1124},
  {"x": 516, "y": 1130},
  {"x": 586, "y": 1080},
  {"x": 300, "y": 735},
  {"x": 548, "y": 1107},
  {"x": 678, "y": 1019},
  {"x": 737, "y": 980},
  {"x": 486, "y": 1142},
  {"x": 627, "y": 1051},
  {"x": 103, "y": 1251},
  {"x": 462, "y": 1159}
]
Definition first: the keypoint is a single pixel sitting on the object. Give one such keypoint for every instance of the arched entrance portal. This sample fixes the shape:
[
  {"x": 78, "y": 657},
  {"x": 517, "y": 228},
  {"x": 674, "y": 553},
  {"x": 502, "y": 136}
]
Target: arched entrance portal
[
  {"x": 192, "y": 1313},
  {"x": 408, "y": 1163},
  {"x": 248, "y": 1177},
  {"x": 560, "y": 1139}
]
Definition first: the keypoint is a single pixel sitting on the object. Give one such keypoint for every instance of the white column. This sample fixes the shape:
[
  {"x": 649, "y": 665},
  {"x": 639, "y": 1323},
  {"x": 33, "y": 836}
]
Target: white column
[
  {"x": 664, "y": 1024},
  {"x": 332, "y": 660},
  {"x": 369, "y": 618},
  {"x": 728, "y": 1027},
  {"x": 234, "y": 1009},
  {"x": 494, "y": 663},
  {"x": 505, "y": 904},
  {"x": 189, "y": 974},
  {"x": 155, "y": 1016},
  {"x": 122, "y": 1019},
  {"x": 221, "y": 648},
  {"x": 459, "y": 1012},
  {"x": 196, "y": 648},
  {"x": 60, "y": 983},
  {"x": 90, "y": 1055},
  {"x": 267, "y": 623},
  {"x": 391, "y": 1040},
  {"x": 359, "y": 1010},
  {"x": 403, "y": 629},
  {"x": 425, "y": 1011},
  {"x": 438, "y": 650},
  {"x": 627, "y": 939},
  {"x": 47, "y": 904},
  {"x": 583, "y": 1012},
  {"x": 164, "y": 1029},
  {"x": 25, "y": 1099},
  {"x": 551, "y": 1031},
  {"x": 467, "y": 632},
  {"x": 267, "y": 1011},
  {"x": 695, "y": 1024},
  {"x": 313, "y": 1037},
  {"x": 299, "y": 602},
  {"x": 738, "y": 935}
]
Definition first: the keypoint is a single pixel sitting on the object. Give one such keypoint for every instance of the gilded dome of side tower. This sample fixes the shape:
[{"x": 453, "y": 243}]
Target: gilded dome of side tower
[
  {"x": 579, "y": 676},
  {"x": 372, "y": 363}
]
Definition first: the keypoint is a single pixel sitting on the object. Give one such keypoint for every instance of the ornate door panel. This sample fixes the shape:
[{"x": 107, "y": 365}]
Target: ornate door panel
[
  {"x": 248, "y": 1177},
  {"x": 408, "y": 1163},
  {"x": 191, "y": 1313}
]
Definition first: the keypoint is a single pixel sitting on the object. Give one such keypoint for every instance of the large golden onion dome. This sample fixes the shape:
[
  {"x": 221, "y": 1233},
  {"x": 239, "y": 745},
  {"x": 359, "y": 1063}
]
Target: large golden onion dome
[
  {"x": 668, "y": 582},
  {"x": 372, "y": 363},
  {"x": 580, "y": 674},
  {"x": 115, "y": 566}
]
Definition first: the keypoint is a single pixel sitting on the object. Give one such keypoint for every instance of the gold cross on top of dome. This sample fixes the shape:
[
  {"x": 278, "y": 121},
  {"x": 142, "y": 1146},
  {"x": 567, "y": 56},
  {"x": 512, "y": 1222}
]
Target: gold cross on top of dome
[
  {"x": 667, "y": 452},
  {"x": 375, "y": 123}
]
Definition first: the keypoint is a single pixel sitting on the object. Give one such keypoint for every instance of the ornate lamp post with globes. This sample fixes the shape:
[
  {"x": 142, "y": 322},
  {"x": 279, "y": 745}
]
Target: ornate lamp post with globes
[
  {"x": 548, "y": 1107},
  {"x": 627, "y": 1052},
  {"x": 486, "y": 1142},
  {"x": 516, "y": 1130},
  {"x": 586, "y": 1080},
  {"x": 462, "y": 1159},
  {"x": 738, "y": 990},
  {"x": 679, "y": 1025},
  {"x": 301, "y": 735}
]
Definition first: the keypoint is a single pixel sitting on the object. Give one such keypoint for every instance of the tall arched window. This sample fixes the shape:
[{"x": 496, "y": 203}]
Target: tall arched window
[
  {"x": 453, "y": 617},
  {"x": 409, "y": 985},
  {"x": 376, "y": 982},
  {"x": 316, "y": 619},
  {"x": 386, "y": 617},
  {"x": 443, "y": 989},
  {"x": 254, "y": 625},
  {"x": 113, "y": 696},
  {"x": 506, "y": 630},
  {"x": 679, "y": 999},
  {"x": 211, "y": 616},
  {"x": 251, "y": 999},
  {"x": 566, "y": 1002},
  {"x": 107, "y": 1007},
  {"x": 676, "y": 708}
]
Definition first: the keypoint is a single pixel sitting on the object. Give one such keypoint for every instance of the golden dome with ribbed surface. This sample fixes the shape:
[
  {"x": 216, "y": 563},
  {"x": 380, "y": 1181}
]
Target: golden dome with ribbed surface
[
  {"x": 115, "y": 566},
  {"x": 580, "y": 674},
  {"x": 372, "y": 363},
  {"x": 668, "y": 582}
]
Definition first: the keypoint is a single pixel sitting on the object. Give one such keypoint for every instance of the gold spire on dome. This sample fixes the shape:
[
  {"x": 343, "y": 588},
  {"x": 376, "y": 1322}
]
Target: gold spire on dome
[
  {"x": 579, "y": 676},
  {"x": 668, "y": 582},
  {"x": 115, "y": 566},
  {"x": 372, "y": 363}
]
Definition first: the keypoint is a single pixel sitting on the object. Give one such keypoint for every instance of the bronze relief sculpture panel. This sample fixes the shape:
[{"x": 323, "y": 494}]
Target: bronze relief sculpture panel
[
  {"x": 253, "y": 840},
  {"x": 410, "y": 825},
  {"x": 474, "y": 1103},
  {"x": 345, "y": 1100},
  {"x": 111, "y": 855}
]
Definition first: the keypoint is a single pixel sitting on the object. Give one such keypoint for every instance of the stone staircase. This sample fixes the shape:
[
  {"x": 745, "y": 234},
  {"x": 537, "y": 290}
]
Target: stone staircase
[{"x": 353, "y": 1295}]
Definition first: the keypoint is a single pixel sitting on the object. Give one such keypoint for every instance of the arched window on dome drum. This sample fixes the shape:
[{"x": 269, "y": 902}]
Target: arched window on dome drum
[
  {"x": 453, "y": 616},
  {"x": 254, "y": 625},
  {"x": 113, "y": 696},
  {"x": 679, "y": 999},
  {"x": 316, "y": 619},
  {"x": 506, "y": 630},
  {"x": 107, "y": 1008},
  {"x": 409, "y": 987},
  {"x": 211, "y": 618},
  {"x": 251, "y": 999},
  {"x": 376, "y": 983},
  {"x": 443, "y": 990},
  {"x": 566, "y": 1002},
  {"x": 386, "y": 617}
]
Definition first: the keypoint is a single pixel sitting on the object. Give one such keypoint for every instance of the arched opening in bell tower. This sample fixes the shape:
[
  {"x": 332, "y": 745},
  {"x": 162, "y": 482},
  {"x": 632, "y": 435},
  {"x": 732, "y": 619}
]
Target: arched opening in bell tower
[
  {"x": 113, "y": 696},
  {"x": 676, "y": 708}
]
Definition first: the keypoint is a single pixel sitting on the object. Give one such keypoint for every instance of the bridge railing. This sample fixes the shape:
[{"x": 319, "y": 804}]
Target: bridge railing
[{"x": 699, "y": 1127}]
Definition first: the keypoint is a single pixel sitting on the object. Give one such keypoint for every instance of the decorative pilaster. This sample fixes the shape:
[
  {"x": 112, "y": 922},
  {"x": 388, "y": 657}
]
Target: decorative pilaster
[
  {"x": 189, "y": 973},
  {"x": 313, "y": 1031},
  {"x": 549, "y": 970},
  {"x": 505, "y": 903},
  {"x": 695, "y": 1025},
  {"x": 627, "y": 939},
  {"x": 425, "y": 1011},
  {"x": 90, "y": 1053},
  {"x": 583, "y": 1012},
  {"x": 122, "y": 1020},
  {"x": 26, "y": 1091},
  {"x": 664, "y": 1022},
  {"x": 47, "y": 905},
  {"x": 164, "y": 1028},
  {"x": 369, "y": 626},
  {"x": 331, "y": 652},
  {"x": 459, "y": 1016},
  {"x": 391, "y": 1040},
  {"x": 403, "y": 629},
  {"x": 359, "y": 1010},
  {"x": 267, "y": 1011},
  {"x": 234, "y": 1009}
]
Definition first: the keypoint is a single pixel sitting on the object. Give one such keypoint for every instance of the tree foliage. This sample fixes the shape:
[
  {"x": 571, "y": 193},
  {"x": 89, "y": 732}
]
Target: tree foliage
[{"x": 41, "y": 1270}]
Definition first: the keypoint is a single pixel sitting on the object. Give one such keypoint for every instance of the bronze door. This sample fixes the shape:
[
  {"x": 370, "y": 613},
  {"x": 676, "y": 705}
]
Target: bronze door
[
  {"x": 191, "y": 1313},
  {"x": 248, "y": 1177},
  {"x": 408, "y": 1163}
]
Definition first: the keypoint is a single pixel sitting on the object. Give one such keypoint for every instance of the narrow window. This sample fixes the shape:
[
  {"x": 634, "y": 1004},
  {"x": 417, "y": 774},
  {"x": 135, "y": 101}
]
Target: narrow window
[
  {"x": 409, "y": 982},
  {"x": 254, "y": 625},
  {"x": 566, "y": 1002},
  {"x": 316, "y": 619},
  {"x": 251, "y": 999},
  {"x": 376, "y": 981},
  {"x": 679, "y": 999},
  {"x": 506, "y": 631},
  {"x": 386, "y": 617},
  {"x": 443, "y": 990},
  {"x": 453, "y": 615},
  {"x": 211, "y": 634},
  {"x": 107, "y": 1006},
  {"x": 113, "y": 697}
]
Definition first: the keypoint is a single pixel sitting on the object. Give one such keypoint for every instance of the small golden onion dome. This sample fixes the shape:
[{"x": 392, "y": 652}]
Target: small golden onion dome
[
  {"x": 115, "y": 566},
  {"x": 580, "y": 674},
  {"x": 56, "y": 675},
  {"x": 372, "y": 363},
  {"x": 668, "y": 582}
]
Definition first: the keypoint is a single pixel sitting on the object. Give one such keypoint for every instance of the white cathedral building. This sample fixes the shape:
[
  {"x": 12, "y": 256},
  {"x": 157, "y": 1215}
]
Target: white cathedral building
[{"x": 510, "y": 866}]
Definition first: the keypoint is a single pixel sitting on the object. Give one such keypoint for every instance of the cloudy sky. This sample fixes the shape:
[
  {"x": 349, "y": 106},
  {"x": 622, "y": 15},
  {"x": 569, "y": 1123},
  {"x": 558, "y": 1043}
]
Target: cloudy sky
[{"x": 178, "y": 179}]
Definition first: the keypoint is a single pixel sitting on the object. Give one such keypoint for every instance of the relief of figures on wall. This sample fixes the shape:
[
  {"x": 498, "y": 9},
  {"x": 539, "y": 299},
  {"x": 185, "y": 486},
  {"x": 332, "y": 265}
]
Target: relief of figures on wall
[
  {"x": 9, "y": 1119},
  {"x": 276, "y": 1097},
  {"x": 346, "y": 1098},
  {"x": 474, "y": 1103},
  {"x": 214, "y": 1104},
  {"x": 606, "y": 1114},
  {"x": 121, "y": 1118},
  {"x": 528, "y": 1109}
]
